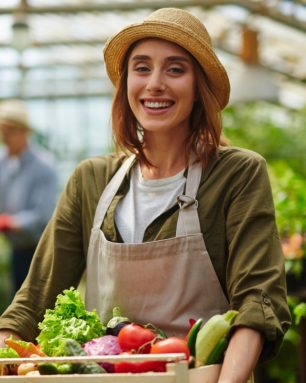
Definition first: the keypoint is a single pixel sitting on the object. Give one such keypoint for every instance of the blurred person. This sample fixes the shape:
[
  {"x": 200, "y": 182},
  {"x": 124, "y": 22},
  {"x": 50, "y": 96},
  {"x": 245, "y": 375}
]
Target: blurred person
[{"x": 28, "y": 187}]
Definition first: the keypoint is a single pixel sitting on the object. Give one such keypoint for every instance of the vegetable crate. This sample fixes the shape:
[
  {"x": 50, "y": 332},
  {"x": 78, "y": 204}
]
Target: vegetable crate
[{"x": 177, "y": 370}]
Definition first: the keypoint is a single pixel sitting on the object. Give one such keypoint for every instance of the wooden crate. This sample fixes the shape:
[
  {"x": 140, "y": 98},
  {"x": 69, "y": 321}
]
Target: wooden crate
[{"x": 177, "y": 371}]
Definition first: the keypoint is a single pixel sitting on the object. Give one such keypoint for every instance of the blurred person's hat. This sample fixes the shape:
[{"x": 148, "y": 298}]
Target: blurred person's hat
[
  {"x": 14, "y": 113},
  {"x": 177, "y": 26}
]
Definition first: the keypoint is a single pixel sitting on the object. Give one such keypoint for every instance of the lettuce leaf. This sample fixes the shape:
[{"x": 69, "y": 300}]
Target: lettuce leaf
[
  {"x": 8, "y": 352},
  {"x": 69, "y": 319}
]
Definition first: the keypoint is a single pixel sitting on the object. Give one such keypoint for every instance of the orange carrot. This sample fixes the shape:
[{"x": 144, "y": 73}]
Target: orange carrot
[{"x": 24, "y": 349}]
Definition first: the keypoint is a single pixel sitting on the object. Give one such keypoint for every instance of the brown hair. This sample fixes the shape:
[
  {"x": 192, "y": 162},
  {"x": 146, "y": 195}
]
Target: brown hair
[{"x": 205, "y": 121}]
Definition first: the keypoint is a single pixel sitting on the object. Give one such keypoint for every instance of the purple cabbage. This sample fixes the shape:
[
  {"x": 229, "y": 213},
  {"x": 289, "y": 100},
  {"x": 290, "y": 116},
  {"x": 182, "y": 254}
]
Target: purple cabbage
[{"x": 105, "y": 345}]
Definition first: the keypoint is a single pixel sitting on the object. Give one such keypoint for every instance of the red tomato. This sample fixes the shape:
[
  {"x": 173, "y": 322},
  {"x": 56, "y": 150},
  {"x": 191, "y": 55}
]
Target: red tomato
[
  {"x": 135, "y": 337},
  {"x": 169, "y": 346}
]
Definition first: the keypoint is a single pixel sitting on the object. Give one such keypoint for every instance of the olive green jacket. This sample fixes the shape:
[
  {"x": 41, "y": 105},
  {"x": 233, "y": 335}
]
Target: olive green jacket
[{"x": 237, "y": 220}]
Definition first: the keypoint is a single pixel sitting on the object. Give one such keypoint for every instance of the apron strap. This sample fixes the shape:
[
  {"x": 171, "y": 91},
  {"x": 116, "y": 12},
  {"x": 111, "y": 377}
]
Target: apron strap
[
  {"x": 188, "y": 219},
  {"x": 111, "y": 190}
]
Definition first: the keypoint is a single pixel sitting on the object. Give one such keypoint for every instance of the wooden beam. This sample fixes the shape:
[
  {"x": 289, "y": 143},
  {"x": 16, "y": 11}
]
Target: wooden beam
[{"x": 255, "y": 7}]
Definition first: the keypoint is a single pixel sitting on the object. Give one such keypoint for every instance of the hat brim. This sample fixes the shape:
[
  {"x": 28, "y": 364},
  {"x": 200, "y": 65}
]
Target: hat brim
[{"x": 117, "y": 46}]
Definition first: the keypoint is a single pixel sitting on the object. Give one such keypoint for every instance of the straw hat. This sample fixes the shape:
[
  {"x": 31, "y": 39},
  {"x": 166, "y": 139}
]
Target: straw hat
[
  {"x": 177, "y": 26},
  {"x": 14, "y": 112}
]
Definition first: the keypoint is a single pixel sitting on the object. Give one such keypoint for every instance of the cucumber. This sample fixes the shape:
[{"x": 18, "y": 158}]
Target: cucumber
[
  {"x": 192, "y": 336},
  {"x": 47, "y": 368},
  {"x": 217, "y": 354},
  {"x": 216, "y": 328},
  {"x": 65, "y": 368},
  {"x": 55, "y": 368}
]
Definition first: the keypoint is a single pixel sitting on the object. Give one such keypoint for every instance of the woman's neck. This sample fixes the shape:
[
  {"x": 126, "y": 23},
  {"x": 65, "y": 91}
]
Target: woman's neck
[{"x": 166, "y": 163}]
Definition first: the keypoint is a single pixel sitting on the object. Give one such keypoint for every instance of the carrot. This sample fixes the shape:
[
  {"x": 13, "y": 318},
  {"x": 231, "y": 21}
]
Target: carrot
[{"x": 24, "y": 349}]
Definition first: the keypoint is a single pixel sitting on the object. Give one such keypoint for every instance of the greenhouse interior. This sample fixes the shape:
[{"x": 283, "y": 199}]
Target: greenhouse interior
[{"x": 51, "y": 57}]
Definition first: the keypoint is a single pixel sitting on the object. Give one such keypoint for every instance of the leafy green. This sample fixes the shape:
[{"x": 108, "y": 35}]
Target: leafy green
[
  {"x": 8, "y": 352},
  {"x": 299, "y": 312},
  {"x": 69, "y": 319}
]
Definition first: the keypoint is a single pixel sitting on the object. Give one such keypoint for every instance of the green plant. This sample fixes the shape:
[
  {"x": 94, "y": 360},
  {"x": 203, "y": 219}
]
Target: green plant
[
  {"x": 289, "y": 197},
  {"x": 290, "y": 200},
  {"x": 5, "y": 273},
  {"x": 273, "y": 131},
  {"x": 283, "y": 369}
]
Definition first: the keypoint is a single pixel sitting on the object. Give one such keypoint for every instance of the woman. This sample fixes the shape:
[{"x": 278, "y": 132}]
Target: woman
[{"x": 182, "y": 225}]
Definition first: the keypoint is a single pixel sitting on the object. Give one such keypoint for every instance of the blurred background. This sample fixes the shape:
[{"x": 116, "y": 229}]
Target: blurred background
[{"x": 51, "y": 57}]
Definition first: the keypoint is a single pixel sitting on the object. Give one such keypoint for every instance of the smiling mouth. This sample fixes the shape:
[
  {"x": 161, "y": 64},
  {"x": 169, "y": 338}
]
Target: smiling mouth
[{"x": 157, "y": 104}]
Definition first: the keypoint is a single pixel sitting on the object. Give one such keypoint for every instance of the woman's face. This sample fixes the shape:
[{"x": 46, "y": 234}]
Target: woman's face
[{"x": 161, "y": 86}]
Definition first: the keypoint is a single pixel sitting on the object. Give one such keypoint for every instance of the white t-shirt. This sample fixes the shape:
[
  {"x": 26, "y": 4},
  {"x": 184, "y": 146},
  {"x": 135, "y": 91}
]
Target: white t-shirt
[{"x": 144, "y": 202}]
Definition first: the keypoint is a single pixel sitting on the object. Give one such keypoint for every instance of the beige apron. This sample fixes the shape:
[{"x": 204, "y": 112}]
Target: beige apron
[{"x": 163, "y": 282}]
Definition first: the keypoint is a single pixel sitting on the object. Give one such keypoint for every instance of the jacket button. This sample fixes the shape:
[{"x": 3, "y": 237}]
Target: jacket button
[{"x": 266, "y": 301}]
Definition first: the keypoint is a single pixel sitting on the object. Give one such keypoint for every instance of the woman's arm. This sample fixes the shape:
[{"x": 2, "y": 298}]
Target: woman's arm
[
  {"x": 256, "y": 280},
  {"x": 241, "y": 355}
]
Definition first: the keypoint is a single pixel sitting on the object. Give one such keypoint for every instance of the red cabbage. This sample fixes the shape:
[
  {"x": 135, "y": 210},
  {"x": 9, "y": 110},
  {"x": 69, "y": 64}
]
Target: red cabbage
[{"x": 105, "y": 345}]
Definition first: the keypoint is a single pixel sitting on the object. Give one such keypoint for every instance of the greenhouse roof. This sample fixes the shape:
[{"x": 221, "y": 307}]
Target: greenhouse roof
[{"x": 59, "y": 51}]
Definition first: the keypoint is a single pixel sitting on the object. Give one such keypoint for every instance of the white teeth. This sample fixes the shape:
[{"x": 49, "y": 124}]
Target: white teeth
[{"x": 156, "y": 104}]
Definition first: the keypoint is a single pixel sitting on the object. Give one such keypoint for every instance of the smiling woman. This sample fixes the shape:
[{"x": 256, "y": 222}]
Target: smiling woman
[
  {"x": 175, "y": 225},
  {"x": 161, "y": 94}
]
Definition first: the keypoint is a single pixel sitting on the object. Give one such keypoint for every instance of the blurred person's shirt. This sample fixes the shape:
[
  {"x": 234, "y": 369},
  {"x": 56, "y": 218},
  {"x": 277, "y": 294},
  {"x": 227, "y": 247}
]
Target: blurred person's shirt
[{"x": 28, "y": 192}]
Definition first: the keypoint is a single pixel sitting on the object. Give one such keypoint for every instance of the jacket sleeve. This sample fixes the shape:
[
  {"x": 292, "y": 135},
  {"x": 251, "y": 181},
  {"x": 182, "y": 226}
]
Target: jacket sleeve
[{"x": 255, "y": 270}]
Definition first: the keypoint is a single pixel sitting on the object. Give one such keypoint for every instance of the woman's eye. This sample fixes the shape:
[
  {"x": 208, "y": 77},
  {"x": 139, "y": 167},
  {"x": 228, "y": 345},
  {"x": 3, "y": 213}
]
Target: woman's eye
[
  {"x": 141, "y": 68},
  {"x": 176, "y": 70}
]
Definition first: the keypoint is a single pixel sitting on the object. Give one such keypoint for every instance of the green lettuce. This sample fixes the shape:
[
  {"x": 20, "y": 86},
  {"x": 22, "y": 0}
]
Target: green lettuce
[
  {"x": 8, "y": 352},
  {"x": 68, "y": 320}
]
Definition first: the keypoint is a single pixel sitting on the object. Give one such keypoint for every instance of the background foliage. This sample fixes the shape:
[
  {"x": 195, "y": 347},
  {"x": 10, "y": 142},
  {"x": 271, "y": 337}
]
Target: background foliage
[{"x": 5, "y": 273}]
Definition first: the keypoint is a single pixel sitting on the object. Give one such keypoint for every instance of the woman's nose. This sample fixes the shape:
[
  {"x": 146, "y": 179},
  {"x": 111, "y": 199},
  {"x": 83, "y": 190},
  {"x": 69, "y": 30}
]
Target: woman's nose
[{"x": 156, "y": 82}]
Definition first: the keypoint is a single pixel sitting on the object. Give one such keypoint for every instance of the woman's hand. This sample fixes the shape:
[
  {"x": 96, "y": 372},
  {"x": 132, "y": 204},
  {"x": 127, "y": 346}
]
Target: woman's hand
[
  {"x": 4, "y": 334},
  {"x": 241, "y": 355}
]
